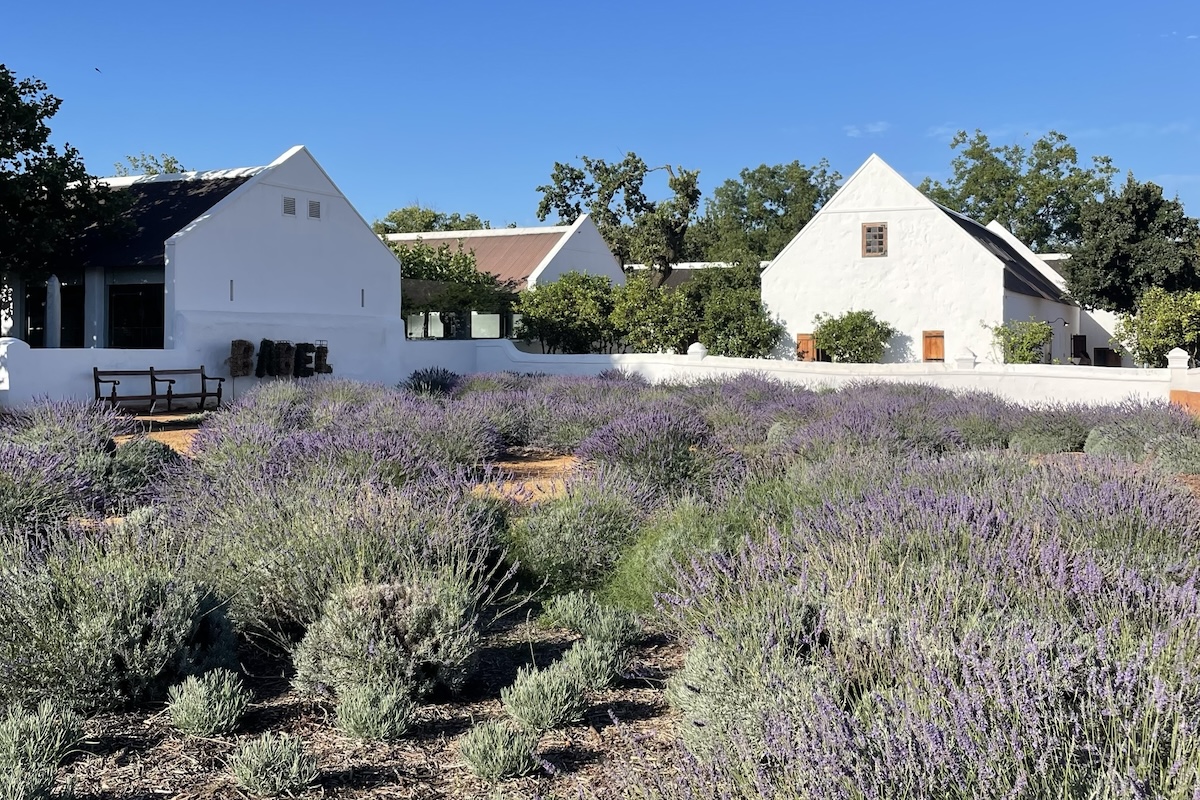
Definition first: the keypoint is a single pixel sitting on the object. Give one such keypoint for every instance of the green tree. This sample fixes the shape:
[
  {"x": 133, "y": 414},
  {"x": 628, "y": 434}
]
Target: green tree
[
  {"x": 570, "y": 315},
  {"x": 47, "y": 199},
  {"x": 722, "y": 309},
  {"x": 1022, "y": 341},
  {"x": 1133, "y": 239},
  {"x": 460, "y": 285},
  {"x": 755, "y": 216},
  {"x": 650, "y": 319},
  {"x": 637, "y": 229},
  {"x": 148, "y": 164},
  {"x": 418, "y": 219},
  {"x": 1038, "y": 193},
  {"x": 856, "y": 336},
  {"x": 1161, "y": 322}
]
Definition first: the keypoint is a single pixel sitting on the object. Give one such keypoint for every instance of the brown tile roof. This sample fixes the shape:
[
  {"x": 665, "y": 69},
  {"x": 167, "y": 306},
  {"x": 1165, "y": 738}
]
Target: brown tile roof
[{"x": 510, "y": 256}]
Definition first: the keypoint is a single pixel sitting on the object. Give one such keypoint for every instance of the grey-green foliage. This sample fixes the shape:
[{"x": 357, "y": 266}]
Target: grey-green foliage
[
  {"x": 22, "y": 782},
  {"x": 541, "y": 700},
  {"x": 595, "y": 662},
  {"x": 420, "y": 633},
  {"x": 497, "y": 750},
  {"x": 1177, "y": 454},
  {"x": 1124, "y": 439},
  {"x": 274, "y": 764},
  {"x": 583, "y": 613},
  {"x": 138, "y": 464},
  {"x": 41, "y": 737},
  {"x": 208, "y": 705},
  {"x": 103, "y": 633},
  {"x": 376, "y": 712},
  {"x": 1049, "y": 430}
]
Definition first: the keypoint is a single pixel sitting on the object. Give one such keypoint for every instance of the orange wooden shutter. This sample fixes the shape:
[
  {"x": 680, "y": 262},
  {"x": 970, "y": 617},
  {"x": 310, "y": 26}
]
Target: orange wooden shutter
[
  {"x": 806, "y": 347},
  {"x": 935, "y": 346}
]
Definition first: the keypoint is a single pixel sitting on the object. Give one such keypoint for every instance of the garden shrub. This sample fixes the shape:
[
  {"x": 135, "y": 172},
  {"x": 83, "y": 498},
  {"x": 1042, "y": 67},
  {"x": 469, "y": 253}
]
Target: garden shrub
[
  {"x": 1022, "y": 341},
  {"x": 431, "y": 380},
  {"x": 855, "y": 336},
  {"x": 595, "y": 662},
  {"x": 497, "y": 750},
  {"x": 138, "y": 465},
  {"x": 1049, "y": 430},
  {"x": 40, "y": 486},
  {"x": 376, "y": 712},
  {"x": 541, "y": 700},
  {"x": 39, "y": 738},
  {"x": 209, "y": 705},
  {"x": 1127, "y": 440},
  {"x": 661, "y": 448},
  {"x": 23, "y": 782},
  {"x": 574, "y": 540},
  {"x": 1176, "y": 454},
  {"x": 104, "y": 633},
  {"x": 274, "y": 764},
  {"x": 419, "y": 633},
  {"x": 583, "y": 613}
]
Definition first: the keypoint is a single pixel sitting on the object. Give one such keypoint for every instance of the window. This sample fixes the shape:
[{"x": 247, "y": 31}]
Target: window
[
  {"x": 135, "y": 316},
  {"x": 289, "y": 206},
  {"x": 314, "y": 209},
  {"x": 874, "y": 239},
  {"x": 934, "y": 346}
]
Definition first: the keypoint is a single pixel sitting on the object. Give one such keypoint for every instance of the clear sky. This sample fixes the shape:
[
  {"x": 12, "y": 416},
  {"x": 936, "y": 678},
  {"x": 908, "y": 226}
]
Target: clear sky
[{"x": 465, "y": 106}]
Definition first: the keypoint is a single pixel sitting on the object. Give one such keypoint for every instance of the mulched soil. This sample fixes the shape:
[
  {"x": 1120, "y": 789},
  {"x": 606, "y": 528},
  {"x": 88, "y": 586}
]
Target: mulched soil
[{"x": 137, "y": 755}]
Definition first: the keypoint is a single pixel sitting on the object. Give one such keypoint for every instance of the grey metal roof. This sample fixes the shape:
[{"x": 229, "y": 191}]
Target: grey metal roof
[{"x": 1020, "y": 276}]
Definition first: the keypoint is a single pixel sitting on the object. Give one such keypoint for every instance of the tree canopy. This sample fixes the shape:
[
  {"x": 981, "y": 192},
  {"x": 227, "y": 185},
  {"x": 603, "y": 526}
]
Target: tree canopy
[
  {"x": 1132, "y": 240},
  {"x": 753, "y": 217},
  {"x": 149, "y": 164},
  {"x": 461, "y": 286},
  {"x": 418, "y": 219},
  {"x": 1038, "y": 193},
  {"x": 636, "y": 228},
  {"x": 47, "y": 198}
]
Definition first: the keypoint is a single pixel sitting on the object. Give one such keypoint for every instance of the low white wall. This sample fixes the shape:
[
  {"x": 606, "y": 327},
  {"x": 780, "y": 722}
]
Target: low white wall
[{"x": 1025, "y": 383}]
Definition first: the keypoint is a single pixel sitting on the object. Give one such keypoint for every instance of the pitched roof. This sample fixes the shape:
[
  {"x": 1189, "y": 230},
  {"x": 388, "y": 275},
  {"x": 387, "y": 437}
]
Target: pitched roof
[
  {"x": 511, "y": 254},
  {"x": 1020, "y": 275},
  {"x": 160, "y": 206}
]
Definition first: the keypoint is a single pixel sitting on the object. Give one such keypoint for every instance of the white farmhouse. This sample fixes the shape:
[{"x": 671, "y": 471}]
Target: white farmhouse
[
  {"x": 274, "y": 252},
  {"x": 938, "y": 277}
]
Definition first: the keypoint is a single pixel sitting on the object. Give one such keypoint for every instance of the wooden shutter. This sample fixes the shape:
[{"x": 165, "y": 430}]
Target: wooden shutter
[
  {"x": 934, "y": 346},
  {"x": 806, "y": 347}
]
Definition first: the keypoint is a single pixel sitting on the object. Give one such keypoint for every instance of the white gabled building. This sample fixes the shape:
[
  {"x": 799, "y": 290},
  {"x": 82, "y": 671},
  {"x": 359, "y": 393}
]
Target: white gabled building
[
  {"x": 936, "y": 276},
  {"x": 274, "y": 252}
]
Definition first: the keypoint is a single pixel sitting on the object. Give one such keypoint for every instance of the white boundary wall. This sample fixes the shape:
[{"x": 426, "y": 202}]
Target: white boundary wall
[{"x": 27, "y": 374}]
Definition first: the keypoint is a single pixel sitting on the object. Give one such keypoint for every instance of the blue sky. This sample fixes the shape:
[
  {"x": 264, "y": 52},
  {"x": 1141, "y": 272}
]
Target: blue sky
[{"x": 466, "y": 106}]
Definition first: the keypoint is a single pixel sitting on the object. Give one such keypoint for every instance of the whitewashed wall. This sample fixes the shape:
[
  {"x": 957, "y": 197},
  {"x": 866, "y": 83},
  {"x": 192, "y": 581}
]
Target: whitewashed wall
[{"x": 934, "y": 277}]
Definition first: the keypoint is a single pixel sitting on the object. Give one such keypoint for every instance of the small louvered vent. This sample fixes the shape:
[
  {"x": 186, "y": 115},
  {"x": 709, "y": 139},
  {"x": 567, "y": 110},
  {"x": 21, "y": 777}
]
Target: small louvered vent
[
  {"x": 314, "y": 209},
  {"x": 289, "y": 206}
]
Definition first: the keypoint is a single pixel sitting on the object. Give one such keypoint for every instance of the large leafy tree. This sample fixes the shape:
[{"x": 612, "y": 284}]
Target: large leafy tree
[
  {"x": 754, "y": 216},
  {"x": 47, "y": 198},
  {"x": 1038, "y": 193},
  {"x": 1161, "y": 322},
  {"x": 570, "y": 315},
  {"x": 418, "y": 219},
  {"x": 637, "y": 229},
  {"x": 726, "y": 314},
  {"x": 1133, "y": 239}
]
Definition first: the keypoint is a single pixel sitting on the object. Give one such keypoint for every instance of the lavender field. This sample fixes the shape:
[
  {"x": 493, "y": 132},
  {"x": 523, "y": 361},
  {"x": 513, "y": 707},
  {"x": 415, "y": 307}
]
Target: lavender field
[{"x": 888, "y": 591}]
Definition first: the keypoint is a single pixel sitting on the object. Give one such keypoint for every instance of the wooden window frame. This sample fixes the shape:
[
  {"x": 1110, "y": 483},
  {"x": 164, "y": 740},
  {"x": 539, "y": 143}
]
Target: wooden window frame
[{"x": 883, "y": 229}]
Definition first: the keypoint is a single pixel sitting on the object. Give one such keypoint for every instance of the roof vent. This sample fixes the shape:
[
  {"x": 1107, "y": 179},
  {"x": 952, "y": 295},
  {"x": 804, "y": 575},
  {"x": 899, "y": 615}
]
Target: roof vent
[
  {"x": 314, "y": 209},
  {"x": 289, "y": 206}
]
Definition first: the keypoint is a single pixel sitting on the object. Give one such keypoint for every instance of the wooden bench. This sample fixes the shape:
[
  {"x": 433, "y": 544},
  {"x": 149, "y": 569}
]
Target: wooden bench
[{"x": 157, "y": 377}]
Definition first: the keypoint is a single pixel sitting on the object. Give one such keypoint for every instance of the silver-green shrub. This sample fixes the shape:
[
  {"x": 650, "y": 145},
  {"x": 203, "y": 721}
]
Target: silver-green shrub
[
  {"x": 1123, "y": 439},
  {"x": 208, "y": 705},
  {"x": 95, "y": 630},
  {"x": 1177, "y": 454},
  {"x": 376, "y": 712},
  {"x": 23, "y": 782},
  {"x": 42, "y": 737},
  {"x": 595, "y": 662},
  {"x": 541, "y": 700},
  {"x": 420, "y": 633},
  {"x": 583, "y": 613},
  {"x": 496, "y": 750},
  {"x": 274, "y": 764}
]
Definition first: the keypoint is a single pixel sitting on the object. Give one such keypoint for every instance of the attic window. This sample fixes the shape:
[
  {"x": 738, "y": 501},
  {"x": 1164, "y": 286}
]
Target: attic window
[
  {"x": 314, "y": 209},
  {"x": 874, "y": 239},
  {"x": 289, "y": 206}
]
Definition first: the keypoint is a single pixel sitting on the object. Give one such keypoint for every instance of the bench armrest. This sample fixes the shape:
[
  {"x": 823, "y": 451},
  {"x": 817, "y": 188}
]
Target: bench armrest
[{"x": 108, "y": 380}]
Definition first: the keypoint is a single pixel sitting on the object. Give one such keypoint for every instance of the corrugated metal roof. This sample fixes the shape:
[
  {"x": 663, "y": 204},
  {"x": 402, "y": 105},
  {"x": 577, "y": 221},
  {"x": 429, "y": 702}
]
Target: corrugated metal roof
[{"x": 509, "y": 255}]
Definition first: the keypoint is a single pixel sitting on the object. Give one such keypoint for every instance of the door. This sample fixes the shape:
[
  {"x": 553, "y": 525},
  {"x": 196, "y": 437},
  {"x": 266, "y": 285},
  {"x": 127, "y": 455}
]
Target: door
[
  {"x": 806, "y": 347},
  {"x": 934, "y": 346}
]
